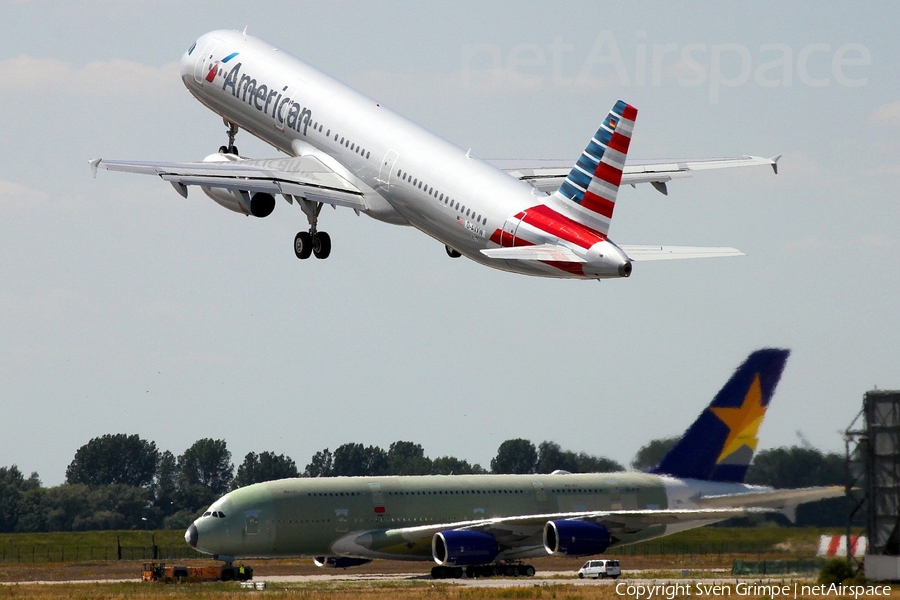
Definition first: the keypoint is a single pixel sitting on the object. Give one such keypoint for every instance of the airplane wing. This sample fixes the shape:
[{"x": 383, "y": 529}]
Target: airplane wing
[
  {"x": 643, "y": 253},
  {"x": 772, "y": 498},
  {"x": 785, "y": 501},
  {"x": 302, "y": 176},
  {"x": 547, "y": 175},
  {"x": 522, "y": 535}
]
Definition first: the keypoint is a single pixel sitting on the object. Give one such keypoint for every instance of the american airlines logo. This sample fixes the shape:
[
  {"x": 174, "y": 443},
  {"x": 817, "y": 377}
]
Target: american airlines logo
[{"x": 265, "y": 99}]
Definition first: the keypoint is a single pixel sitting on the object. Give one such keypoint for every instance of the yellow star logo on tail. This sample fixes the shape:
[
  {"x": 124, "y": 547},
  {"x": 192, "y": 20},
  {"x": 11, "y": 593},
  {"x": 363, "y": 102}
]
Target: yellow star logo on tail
[{"x": 743, "y": 421}]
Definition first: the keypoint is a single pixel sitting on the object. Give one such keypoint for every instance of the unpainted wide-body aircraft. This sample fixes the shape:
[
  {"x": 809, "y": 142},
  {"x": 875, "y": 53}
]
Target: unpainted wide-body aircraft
[
  {"x": 487, "y": 524},
  {"x": 537, "y": 217}
]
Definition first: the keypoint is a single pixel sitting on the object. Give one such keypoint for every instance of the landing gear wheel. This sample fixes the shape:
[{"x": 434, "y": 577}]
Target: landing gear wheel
[
  {"x": 528, "y": 571},
  {"x": 321, "y": 244},
  {"x": 223, "y": 149},
  {"x": 303, "y": 245},
  {"x": 451, "y": 252}
]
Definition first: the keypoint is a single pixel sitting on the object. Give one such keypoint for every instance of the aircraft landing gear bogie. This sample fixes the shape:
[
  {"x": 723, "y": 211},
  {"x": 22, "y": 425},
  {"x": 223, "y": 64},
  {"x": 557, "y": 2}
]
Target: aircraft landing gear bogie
[{"x": 312, "y": 243}]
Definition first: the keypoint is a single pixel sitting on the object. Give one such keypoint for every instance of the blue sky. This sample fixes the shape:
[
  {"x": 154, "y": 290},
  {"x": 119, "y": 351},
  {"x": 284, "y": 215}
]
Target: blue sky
[{"x": 127, "y": 309}]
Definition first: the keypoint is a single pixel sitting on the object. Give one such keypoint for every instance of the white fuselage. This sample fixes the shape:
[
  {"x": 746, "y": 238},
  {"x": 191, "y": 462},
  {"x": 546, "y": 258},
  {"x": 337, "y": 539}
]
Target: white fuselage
[{"x": 409, "y": 175}]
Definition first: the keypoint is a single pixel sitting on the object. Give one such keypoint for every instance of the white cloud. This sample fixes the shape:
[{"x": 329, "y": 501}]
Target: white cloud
[
  {"x": 26, "y": 73},
  {"x": 887, "y": 114},
  {"x": 18, "y": 196}
]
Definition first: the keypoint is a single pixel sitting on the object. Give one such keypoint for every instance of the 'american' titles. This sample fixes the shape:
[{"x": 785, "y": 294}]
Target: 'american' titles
[{"x": 266, "y": 100}]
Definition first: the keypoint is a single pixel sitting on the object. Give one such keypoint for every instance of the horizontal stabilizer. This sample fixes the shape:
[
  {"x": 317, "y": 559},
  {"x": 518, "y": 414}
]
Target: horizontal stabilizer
[
  {"x": 639, "y": 253},
  {"x": 547, "y": 252},
  {"x": 548, "y": 175},
  {"x": 771, "y": 498}
]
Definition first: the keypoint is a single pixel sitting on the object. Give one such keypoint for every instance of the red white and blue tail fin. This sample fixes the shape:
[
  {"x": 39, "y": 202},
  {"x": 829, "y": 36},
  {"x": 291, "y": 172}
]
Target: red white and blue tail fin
[{"x": 588, "y": 195}]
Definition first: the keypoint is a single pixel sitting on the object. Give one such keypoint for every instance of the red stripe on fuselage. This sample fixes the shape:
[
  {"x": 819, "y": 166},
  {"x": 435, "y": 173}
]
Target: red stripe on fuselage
[{"x": 548, "y": 220}]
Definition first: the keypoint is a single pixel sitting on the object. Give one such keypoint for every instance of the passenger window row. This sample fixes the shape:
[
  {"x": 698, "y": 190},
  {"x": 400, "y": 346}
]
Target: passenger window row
[{"x": 440, "y": 197}]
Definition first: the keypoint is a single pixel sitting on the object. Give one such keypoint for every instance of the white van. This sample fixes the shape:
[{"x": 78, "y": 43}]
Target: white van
[{"x": 600, "y": 569}]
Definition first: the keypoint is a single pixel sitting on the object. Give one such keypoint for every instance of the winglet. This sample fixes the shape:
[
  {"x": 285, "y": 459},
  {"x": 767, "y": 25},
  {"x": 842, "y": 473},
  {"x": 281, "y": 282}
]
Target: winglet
[
  {"x": 775, "y": 160},
  {"x": 94, "y": 162},
  {"x": 720, "y": 444}
]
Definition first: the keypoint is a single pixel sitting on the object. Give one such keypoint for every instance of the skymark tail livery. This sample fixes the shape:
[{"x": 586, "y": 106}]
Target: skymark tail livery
[
  {"x": 719, "y": 446},
  {"x": 483, "y": 524},
  {"x": 534, "y": 217}
]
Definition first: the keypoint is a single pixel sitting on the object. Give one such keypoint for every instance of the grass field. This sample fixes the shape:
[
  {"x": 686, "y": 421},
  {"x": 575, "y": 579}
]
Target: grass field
[{"x": 662, "y": 558}]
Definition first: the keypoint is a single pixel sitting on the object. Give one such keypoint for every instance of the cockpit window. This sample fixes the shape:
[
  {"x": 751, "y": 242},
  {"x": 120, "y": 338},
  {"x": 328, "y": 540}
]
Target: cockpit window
[
  {"x": 191, "y": 49},
  {"x": 219, "y": 514},
  {"x": 207, "y": 513}
]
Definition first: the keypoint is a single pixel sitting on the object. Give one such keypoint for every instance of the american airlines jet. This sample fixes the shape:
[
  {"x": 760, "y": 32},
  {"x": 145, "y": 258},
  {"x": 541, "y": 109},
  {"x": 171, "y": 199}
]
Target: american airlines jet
[{"x": 543, "y": 218}]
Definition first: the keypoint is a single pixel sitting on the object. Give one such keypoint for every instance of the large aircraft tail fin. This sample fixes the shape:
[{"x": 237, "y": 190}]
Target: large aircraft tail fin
[
  {"x": 588, "y": 194},
  {"x": 720, "y": 444}
]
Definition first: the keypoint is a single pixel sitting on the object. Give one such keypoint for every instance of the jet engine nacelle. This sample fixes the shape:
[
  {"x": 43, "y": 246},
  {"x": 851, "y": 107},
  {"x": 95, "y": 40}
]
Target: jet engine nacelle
[
  {"x": 463, "y": 548},
  {"x": 575, "y": 538},
  {"x": 339, "y": 562},
  {"x": 259, "y": 204}
]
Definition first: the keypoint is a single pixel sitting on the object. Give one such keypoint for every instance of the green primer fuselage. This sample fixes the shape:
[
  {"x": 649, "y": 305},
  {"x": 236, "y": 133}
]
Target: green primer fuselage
[{"x": 308, "y": 517}]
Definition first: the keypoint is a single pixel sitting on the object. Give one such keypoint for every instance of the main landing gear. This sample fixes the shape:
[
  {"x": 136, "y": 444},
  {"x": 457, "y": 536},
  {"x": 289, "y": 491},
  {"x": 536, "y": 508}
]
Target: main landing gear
[
  {"x": 306, "y": 243},
  {"x": 312, "y": 242},
  {"x": 495, "y": 570},
  {"x": 231, "y": 131}
]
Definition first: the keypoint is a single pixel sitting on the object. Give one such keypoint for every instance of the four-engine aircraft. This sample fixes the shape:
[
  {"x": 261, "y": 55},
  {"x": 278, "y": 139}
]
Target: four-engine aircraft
[
  {"x": 487, "y": 524},
  {"x": 543, "y": 218}
]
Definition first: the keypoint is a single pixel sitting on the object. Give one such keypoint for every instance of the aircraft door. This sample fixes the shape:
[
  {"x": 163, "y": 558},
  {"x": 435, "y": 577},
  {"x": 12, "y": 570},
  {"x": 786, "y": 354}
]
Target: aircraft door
[
  {"x": 205, "y": 61},
  {"x": 387, "y": 165},
  {"x": 377, "y": 499},
  {"x": 508, "y": 233}
]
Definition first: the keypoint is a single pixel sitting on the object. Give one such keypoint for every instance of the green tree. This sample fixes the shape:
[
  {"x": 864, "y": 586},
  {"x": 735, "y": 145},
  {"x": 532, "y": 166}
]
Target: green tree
[
  {"x": 266, "y": 466},
  {"x": 119, "y": 458},
  {"x": 13, "y": 489},
  {"x": 165, "y": 484},
  {"x": 407, "y": 458},
  {"x": 357, "y": 460},
  {"x": 803, "y": 467},
  {"x": 204, "y": 473},
  {"x": 796, "y": 467},
  {"x": 552, "y": 457},
  {"x": 652, "y": 453},
  {"x": 321, "y": 465},
  {"x": 515, "y": 456},
  {"x": 450, "y": 465}
]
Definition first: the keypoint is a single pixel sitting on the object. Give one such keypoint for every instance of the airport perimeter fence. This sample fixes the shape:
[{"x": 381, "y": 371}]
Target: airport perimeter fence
[
  {"x": 776, "y": 567},
  {"x": 41, "y": 554},
  {"x": 729, "y": 549}
]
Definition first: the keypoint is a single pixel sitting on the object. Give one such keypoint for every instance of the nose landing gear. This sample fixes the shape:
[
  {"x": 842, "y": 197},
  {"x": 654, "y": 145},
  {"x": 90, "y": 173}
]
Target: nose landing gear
[{"x": 231, "y": 131}]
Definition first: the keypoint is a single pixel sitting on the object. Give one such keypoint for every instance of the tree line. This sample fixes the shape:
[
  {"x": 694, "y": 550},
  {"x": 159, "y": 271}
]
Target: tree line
[{"x": 123, "y": 481}]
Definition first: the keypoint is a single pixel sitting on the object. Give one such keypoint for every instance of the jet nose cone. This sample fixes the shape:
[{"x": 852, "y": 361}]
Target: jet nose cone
[{"x": 191, "y": 535}]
